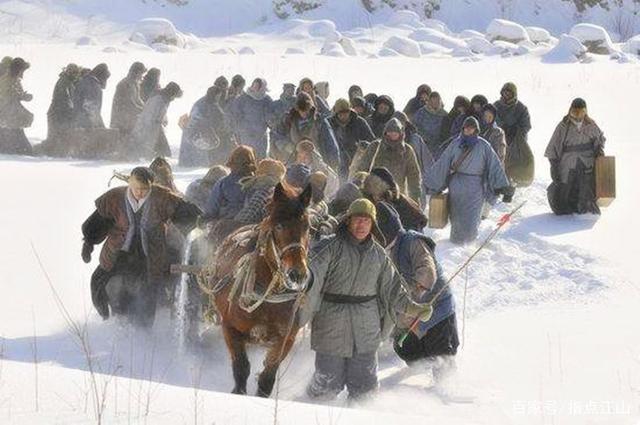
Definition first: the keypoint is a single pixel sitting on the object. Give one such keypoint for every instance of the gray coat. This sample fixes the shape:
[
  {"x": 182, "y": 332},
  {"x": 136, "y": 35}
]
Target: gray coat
[
  {"x": 341, "y": 266},
  {"x": 495, "y": 136},
  {"x": 127, "y": 105},
  {"x": 149, "y": 127},
  {"x": 429, "y": 124},
  {"x": 476, "y": 181},
  {"x": 568, "y": 145}
]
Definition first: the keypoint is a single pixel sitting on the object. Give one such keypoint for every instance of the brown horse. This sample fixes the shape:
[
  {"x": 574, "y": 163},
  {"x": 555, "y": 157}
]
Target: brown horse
[{"x": 279, "y": 249}]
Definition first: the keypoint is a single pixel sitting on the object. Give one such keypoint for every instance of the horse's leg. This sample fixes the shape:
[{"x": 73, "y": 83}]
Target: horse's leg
[
  {"x": 236, "y": 342},
  {"x": 275, "y": 355}
]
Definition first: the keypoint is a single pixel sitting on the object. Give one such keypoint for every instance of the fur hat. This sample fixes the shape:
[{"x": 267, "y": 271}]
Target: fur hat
[
  {"x": 355, "y": 91},
  {"x": 480, "y": 99},
  {"x": 271, "y": 167},
  {"x": 172, "y": 90},
  {"x": 306, "y": 146},
  {"x": 380, "y": 184},
  {"x": 393, "y": 124},
  {"x": 423, "y": 88},
  {"x": 359, "y": 102},
  {"x": 221, "y": 82},
  {"x": 303, "y": 102},
  {"x": 510, "y": 87},
  {"x": 101, "y": 72},
  {"x": 385, "y": 175},
  {"x": 237, "y": 80},
  {"x": 362, "y": 207},
  {"x": 578, "y": 103},
  {"x": 242, "y": 159},
  {"x": 137, "y": 68},
  {"x": 341, "y": 105},
  {"x": 215, "y": 173}
]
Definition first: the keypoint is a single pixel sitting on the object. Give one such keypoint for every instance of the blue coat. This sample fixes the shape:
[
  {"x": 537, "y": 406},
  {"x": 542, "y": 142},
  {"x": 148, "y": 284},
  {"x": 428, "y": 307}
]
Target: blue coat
[
  {"x": 444, "y": 306},
  {"x": 226, "y": 199},
  {"x": 251, "y": 120}
]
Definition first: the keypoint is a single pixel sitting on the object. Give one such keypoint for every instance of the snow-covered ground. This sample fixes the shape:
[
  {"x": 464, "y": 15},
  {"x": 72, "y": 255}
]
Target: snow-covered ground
[{"x": 549, "y": 320}]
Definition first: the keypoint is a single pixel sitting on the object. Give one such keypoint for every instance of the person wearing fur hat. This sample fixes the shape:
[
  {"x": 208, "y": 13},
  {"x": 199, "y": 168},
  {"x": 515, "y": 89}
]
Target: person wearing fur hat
[
  {"x": 206, "y": 139},
  {"x": 236, "y": 89},
  {"x": 513, "y": 117},
  {"x": 380, "y": 186},
  {"x": 471, "y": 171},
  {"x": 304, "y": 122},
  {"x": 429, "y": 121},
  {"x": 127, "y": 103},
  {"x": 131, "y": 220},
  {"x": 148, "y": 138},
  {"x": 150, "y": 84},
  {"x": 322, "y": 107},
  {"x": 227, "y": 197},
  {"x": 199, "y": 190},
  {"x": 361, "y": 107},
  {"x": 576, "y": 142},
  {"x": 492, "y": 133},
  {"x": 478, "y": 102},
  {"x": 413, "y": 254},
  {"x": 418, "y": 101},
  {"x": 394, "y": 154},
  {"x": 87, "y": 98},
  {"x": 349, "y": 129},
  {"x": 321, "y": 88},
  {"x": 60, "y": 113},
  {"x": 383, "y": 109},
  {"x": 259, "y": 191},
  {"x": 356, "y": 298},
  {"x": 250, "y": 114},
  {"x": 413, "y": 139},
  {"x": 461, "y": 110},
  {"x": 14, "y": 117},
  {"x": 283, "y": 105}
]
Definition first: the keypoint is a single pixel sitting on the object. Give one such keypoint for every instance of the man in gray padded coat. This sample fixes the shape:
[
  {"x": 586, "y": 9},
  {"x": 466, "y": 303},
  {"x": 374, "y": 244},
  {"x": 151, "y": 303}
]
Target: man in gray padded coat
[{"x": 355, "y": 299}]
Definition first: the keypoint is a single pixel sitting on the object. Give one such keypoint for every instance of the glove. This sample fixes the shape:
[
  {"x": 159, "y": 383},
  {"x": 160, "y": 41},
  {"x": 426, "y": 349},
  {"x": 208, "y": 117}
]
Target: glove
[
  {"x": 423, "y": 312},
  {"x": 599, "y": 151},
  {"x": 507, "y": 194},
  {"x": 87, "y": 249}
]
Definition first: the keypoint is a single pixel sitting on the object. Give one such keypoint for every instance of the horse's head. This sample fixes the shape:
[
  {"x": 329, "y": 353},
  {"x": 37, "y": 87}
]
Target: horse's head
[{"x": 289, "y": 225}]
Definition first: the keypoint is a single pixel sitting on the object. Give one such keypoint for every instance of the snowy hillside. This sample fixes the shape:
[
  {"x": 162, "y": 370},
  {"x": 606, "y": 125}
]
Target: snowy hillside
[{"x": 547, "y": 313}]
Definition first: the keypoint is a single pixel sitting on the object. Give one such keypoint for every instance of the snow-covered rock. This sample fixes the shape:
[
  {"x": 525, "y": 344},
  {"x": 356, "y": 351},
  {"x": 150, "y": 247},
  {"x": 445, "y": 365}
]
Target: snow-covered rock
[
  {"x": 348, "y": 46},
  {"x": 246, "y": 50},
  {"x": 224, "y": 51},
  {"x": 470, "y": 34},
  {"x": 437, "y": 37},
  {"x": 437, "y": 25},
  {"x": 479, "y": 44},
  {"x": 333, "y": 49},
  {"x": 427, "y": 48},
  {"x": 405, "y": 18},
  {"x": 111, "y": 49},
  {"x": 192, "y": 41},
  {"x": 164, "y": 48},
  {"x": 632, "y": 46},
  {"x": 86, "y": 41},
  {"x": 504, "y": 48},
  {"x": 568, "y": 50},
  {"x": 594, "y": 37},
  {"x": 158, "y": 31},
  {"x": 403, "y": 46},
  {"x": 501, "y": 29},
  {"x": 323, "y": 29},
  {"x": 538, "y": 35},
  {"x": 385, "y": 52},
  {"x": 463, "y": 52}
]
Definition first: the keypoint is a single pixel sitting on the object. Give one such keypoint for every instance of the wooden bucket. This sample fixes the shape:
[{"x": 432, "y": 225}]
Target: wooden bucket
[
  {"x": 439, "y": 211},
  {"x": 605, "y": 170}
]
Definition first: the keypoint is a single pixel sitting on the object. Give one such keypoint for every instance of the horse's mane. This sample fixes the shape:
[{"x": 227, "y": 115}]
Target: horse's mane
[{"x": 283, "y": 210}]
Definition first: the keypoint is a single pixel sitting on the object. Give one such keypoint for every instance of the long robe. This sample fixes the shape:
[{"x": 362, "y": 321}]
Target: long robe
[{"x": 476, "y": 180}]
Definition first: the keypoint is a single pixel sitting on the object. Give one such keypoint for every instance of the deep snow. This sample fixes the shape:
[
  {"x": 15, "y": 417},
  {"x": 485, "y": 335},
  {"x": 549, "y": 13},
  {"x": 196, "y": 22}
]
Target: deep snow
[{"x": 550, "y": 330}]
